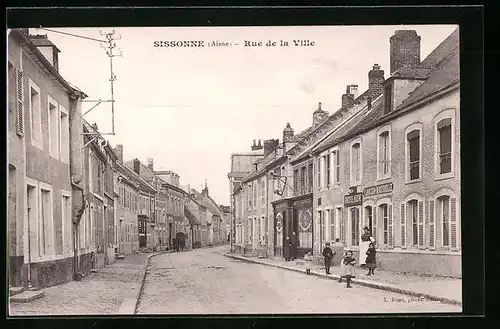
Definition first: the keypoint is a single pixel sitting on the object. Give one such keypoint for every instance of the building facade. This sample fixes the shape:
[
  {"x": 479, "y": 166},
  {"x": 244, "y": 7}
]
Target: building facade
[
  {"x": 43, "y": 180},
  {"x": 400, "y": 165}
]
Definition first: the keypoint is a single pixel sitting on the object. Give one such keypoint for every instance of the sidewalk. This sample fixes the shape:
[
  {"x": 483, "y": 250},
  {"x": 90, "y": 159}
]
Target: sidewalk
[
  {"x": 447, "y": 290},
  {"x": 113, "y": 289}
]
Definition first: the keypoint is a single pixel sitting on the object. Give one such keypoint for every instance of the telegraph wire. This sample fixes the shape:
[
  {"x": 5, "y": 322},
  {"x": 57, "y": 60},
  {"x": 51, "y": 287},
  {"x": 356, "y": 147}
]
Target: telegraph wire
[{"x": 73, "y": 35}]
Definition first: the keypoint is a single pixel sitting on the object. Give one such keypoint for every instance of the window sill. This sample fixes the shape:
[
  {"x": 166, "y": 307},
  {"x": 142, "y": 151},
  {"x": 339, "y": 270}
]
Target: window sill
[
  {"x": 438, "y": 177},
  {"x": 408, "y": 182},
  {"x": 383, "y": 178}
]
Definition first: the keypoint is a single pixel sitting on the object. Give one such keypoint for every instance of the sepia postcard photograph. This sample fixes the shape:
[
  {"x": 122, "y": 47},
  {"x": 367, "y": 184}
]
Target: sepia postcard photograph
[{"x": 211, "y": 170}]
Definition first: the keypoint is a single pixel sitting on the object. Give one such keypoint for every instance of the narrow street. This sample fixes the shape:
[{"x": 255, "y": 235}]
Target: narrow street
[{"x": 205, "y": 282}]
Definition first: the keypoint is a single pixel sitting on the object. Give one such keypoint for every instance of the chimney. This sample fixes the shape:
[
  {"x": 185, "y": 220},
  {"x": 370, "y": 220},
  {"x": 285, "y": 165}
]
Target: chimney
[
  {"x": 354, "y": 91},
  {"x": 319, "y": 116},
  {"x": 347, "y": 98},
  {"x": 254, "y": 146},
  {"x": 137, "y": 166},
  {"x": 47, "y": 48},
  {"x": 205, "y": 190},
  {"x": 260, "y": 145},
  {"x": 287, "y": 133},
  {"x": 270, "y": 145},
  {"x": 150, "y": 164},
  {"x": 404, "y": 49},
  {"x": 119, "y": 152},
  {"x": 375, "y": 80}
]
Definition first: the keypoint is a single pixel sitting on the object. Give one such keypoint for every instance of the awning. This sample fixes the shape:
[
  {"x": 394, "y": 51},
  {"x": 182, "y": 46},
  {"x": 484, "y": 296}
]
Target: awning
[{"x": 191, "y": 217}]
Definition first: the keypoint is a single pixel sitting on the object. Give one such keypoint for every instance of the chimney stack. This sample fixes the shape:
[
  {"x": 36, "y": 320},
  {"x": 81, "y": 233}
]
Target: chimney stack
[
  {"x": 270, "y": 145},
  {"x": 319, "y": 116},
  {"x": 347, "y": 98},
  {"x": 404, "y": 49},
  {"x": 375, "y": 81},
  {"x": 47, "y": 48},
  {"x": 254, "y": 145},
  {"x": 150, "y": 164},
  {"x": 287, "y": 133},
  {"x": 119, "y": 152},
  {"x": 354, "y": 91},
  {"x": 137, "y": 166}
]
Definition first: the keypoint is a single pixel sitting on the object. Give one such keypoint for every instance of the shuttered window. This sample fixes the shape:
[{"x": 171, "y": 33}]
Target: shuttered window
[
  {"x": 391, "y": 234},
  {"x": 328, "y": 169},
  {"x": 19, "y": 103},
  {"x": 421, "y": 224},
  {"x": 403, "y": 226},
  {"x": 414, "y": 153},
  {"x": 384, "y": 216},
  {"x": 331, "y": 215},
  {"x": 310, "y": 178},
  {"x": 318, "y": 170},
  {"x": 342, "y": 225},
  {"x": 432, "y": 229},
  {"x": 337, "y": 167},
  {"x": 384, "y": 154},
  {"x": 303, "y": 180},
  {"x": 354, "y": 226},
  {"x": 296, "y": 182},
  {"x": 444, "y": 211},
  {"x": 374, "y": 228}
]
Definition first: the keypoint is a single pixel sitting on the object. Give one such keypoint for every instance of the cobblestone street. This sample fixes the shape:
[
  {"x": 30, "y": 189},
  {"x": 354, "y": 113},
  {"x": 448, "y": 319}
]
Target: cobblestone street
[
  {"x": 205, "y": 282},
  {"x": 98, "y": 293}
]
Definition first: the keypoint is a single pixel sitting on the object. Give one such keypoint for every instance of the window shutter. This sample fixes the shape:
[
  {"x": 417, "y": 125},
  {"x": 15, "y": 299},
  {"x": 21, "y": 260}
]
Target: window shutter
[
  {"x": 432, "y": 242},
  {"x": 403, "y": 226},
  {"x": 420, "y": 223},
  {"x": 427, "y": 234},
  {"x": 342, "y": 226},
  {"x": 19, "y": 102},
  {"x": 374, "y": 223},
  {"x": 453, "y": 222},
  {"x": 391, "y": 237}
]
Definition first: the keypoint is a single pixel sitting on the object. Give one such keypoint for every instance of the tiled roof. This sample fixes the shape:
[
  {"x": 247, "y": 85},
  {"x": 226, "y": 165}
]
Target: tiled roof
[
  {"x": 265, "y": 162},
  {"x": 193, "y": 220},
  {"x": 207, "y": 202},
  {"x": 442, "y": 67}
]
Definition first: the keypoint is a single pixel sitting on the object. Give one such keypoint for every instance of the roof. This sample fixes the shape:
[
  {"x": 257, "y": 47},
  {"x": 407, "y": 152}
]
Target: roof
[
  {"x": 31, "y": 49},
  {"x": 442, "y": 67},
  {"x": 193, "y": 220},
  {"x": 128, "y": 171},
  {"x": 207, "y": 202},
  {"x": 42, "y": 40},
  {"x": 264, "y": 161}
]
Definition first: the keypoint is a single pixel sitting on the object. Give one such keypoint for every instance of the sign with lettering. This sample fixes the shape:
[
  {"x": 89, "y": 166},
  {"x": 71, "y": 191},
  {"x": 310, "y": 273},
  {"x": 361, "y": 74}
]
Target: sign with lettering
[
  {"x": 379, "y": 189},
  {"x": 303, "y": 202},
  {"x": 353, "y": 190},
  {"x": 353, "y": 199}
]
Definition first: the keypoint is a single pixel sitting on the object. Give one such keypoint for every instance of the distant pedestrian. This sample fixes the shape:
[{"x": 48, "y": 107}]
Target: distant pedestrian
[
  {"x": 328, "y": 254},
  {"x": 288, "y": 248},
  {"x": 347, "y": 268},
  {"x": 295, "y": 245},
  {"x": 366, "y": 239},
  {"x": 308, "y": 259},
  {"x": 371, "y": 259}
]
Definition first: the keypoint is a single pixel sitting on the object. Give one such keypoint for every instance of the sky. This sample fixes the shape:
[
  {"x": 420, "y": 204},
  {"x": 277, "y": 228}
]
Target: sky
[{"x": 190, "y": 108}]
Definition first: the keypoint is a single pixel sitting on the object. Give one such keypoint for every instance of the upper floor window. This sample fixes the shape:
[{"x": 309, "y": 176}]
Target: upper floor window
[
  {"x": 53, "y": 116},
  {"x": 388, "y": 98},
  {"x": 318, "y": 170},
  {"x": 356, "y": 163},
  {"x": 444, "y": 147},
  {"x": 384, "y": 155},
  {"x": 296, "y": 181},
  {"x": 303, "y": 180},
  {"x": 328, "y": 169},
  {"x": 310, "y": 177},
  {"x": 336, "y": 161},
  {"x": 35, "y": 114},
  {"x": 413, "y": 150}
]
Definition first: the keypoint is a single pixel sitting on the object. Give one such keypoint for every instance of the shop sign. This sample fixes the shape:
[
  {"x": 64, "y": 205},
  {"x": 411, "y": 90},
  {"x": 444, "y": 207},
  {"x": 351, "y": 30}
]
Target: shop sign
[
  {"x": 379, "y": 189},
  {"x": 303, "y": 202},
  {"x": 353, "y": 199}
]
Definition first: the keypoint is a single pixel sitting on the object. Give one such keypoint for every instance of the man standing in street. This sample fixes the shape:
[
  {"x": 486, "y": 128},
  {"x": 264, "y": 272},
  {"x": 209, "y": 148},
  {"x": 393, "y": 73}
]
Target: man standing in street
[
  {"x": 295, "y": 245},
  {"x": 328, "y": 254}
]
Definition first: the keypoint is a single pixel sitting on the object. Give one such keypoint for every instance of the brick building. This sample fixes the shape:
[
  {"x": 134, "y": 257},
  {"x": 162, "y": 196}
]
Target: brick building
[
  {"x": 399, "y": 165},
  {"x": 44, "y": 173}
]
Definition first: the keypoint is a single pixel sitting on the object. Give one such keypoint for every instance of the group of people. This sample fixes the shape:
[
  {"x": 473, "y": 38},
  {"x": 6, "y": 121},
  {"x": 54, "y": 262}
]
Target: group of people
[
  {"x": 347, "y": 269},
  {"x": 178, "y": 244},
  {"x": 291, "y": 247}
]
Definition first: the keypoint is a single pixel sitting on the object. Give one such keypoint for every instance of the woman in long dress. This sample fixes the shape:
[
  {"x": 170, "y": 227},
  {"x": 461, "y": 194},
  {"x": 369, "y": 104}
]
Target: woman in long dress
[{"x": 366, "y": 239}]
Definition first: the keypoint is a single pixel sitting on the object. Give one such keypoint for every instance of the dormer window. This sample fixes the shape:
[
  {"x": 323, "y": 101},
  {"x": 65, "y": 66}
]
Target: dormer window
[{"x": 388, "y": 98}]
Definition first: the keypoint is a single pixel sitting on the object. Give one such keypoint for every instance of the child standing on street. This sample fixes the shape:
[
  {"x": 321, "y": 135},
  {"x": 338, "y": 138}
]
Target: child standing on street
[
  {"x": 308, "y": 262},
  {"x": 370, "y": 259},
  {"x": 349, "y": 271}
]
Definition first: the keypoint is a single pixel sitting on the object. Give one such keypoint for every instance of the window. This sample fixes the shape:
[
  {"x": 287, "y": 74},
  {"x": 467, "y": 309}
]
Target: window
[
  {"x": 66, "y": 222},
  {"x": 356, "y": 164},
  {"x": 321, "y": 228},
  {"x": 413, "y": 153},
  {"x": 45, "y": 234},
  {"x": 444, "y": 214},
  {"x": 328, "y": 169},
  {"x": 35, "y": 115},
  {"x": 354, "y": 226},
  {"x": 383, "y": 155},
  {"x": 296, "y": 182},
  {"x": 414, "y": 214},
  {"x": 99, "y": 178},
  {"x": 370, "y": 221},
  {"x": 384, "y": 216},
  {"x": 333, "y": 226},
  {"x": 16, "y": 99},
  {"x": 302, "y": 180},
  {"x": 310, "y": 177},
  {"x": 388, "y": 98},
  {"x": 318, "y": 170},
  {"x": 337, "y": 166},
  {"x": 53, "y": 127},
  {"x": 339, "y": 224},
  {"x": 444, "y": 141}
]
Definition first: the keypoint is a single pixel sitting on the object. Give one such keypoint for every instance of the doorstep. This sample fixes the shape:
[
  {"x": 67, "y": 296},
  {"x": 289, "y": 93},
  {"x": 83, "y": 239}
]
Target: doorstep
[
  {"x": 27, "y": 296},
  {"x": 15, "y": 290}
]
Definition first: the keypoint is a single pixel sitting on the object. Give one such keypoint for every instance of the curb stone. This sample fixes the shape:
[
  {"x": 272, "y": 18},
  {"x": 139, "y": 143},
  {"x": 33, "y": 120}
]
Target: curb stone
[
  {"x": 367, "y": 283},
  {"x": 129, "y": 304}
]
